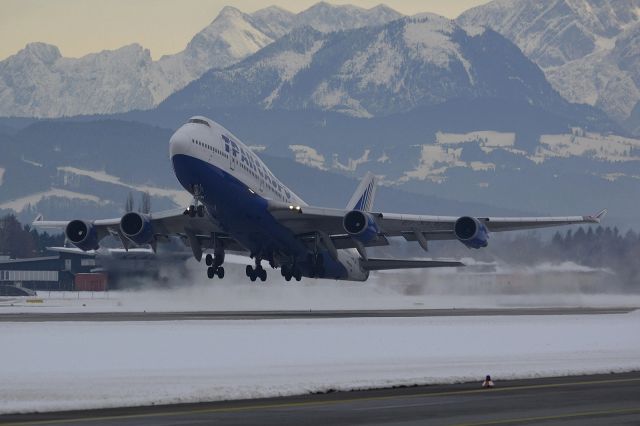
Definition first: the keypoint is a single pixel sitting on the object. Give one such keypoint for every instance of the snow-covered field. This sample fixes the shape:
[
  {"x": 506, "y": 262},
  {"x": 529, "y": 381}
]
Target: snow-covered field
[
  {"x": 70, "y": 365},
  {"x": 67, "y": 365}
]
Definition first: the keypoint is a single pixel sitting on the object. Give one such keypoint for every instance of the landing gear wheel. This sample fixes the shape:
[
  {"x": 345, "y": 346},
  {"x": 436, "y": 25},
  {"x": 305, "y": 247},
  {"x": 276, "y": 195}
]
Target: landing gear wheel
[
  {"x": 192, "y": 211},
  {"x": 200, "y": 210},
  {"x": 220, "y": 272},
  {"x": 263, "y": 275},
  {"x": 287, "y": 277},
  {"x": 208, "y": 260},
  {"x": 249, "y": 270},
  {"x": 211, "y": 272},
  {"x": 297, "y": 274},
  {"x": 253, "y": 277}
]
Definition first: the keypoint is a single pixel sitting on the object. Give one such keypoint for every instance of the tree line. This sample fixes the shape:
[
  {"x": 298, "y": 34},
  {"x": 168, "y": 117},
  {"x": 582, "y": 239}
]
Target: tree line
[
  {"x": 20, "y": 241},
  {"x": 595, "y": 247}
]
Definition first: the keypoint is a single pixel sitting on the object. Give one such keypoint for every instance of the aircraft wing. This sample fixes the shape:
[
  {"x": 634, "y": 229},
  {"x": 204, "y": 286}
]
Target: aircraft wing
[
  {"x": 197, "y": 232},
  {"x": 306, "y": 220}
]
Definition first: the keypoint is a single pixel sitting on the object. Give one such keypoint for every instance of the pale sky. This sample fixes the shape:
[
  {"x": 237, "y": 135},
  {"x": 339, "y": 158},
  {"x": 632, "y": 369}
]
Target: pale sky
[{"x": 79, "y": 27}]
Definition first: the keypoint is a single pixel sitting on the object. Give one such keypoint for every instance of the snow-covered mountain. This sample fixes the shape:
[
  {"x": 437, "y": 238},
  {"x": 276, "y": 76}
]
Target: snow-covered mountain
[
  {"x": 326, "y": 17},
  {"x": 38, "y": 81},
  {"x": 373, "y": 71},
  {"x": 585, "y": 47}
]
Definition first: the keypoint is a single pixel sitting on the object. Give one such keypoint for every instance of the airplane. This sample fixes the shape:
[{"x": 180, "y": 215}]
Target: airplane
[{"x": 239, "y": 206}]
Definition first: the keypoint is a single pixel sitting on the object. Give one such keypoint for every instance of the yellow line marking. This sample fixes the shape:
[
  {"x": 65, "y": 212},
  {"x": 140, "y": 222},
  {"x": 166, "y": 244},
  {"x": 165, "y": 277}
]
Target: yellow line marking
[
  {"x": 555, "y": 417},
  {"x": 317, "y": 403}
]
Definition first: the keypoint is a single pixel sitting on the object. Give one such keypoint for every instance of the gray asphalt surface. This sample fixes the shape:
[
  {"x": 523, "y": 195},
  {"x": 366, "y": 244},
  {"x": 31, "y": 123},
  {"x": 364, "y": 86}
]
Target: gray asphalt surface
[
  {"x": 260, "y": 315},
  {"x": 612, "y": 399}
]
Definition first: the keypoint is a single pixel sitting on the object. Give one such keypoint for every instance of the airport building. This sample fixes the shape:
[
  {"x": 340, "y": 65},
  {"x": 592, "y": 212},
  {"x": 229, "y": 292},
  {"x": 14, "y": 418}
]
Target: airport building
[
  {"x": 71, "y": 269},
  {"x": 56, "y": 272}
]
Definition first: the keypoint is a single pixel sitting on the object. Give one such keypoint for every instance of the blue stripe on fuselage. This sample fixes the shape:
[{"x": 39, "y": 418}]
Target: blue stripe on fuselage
[{"x": 242, "y": 214}]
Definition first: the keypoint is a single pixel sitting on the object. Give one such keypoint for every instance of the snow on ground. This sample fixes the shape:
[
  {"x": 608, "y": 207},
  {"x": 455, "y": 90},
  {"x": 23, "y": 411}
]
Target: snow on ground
[
  {"x": 33, "y": 163},
  {"x": 485, "y": 138},
  {"x": 334, "y": 98},
  {"x": 20, "y": 204},
  {"x": 602, "y": 147},
  {"x": 308, "y": 156},
  {"x": 430, "y": 37},
  {"x": 179, "y": 197},
  {"x": 544, "y": 285},
  {"x": 76, "y": 365},
  {"x": 288, "y": 64},
  {"x": 352, "y": 164}
]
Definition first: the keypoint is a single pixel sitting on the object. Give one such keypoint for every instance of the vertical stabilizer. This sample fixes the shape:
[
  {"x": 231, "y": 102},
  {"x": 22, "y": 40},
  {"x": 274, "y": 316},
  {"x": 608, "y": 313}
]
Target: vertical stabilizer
[{"x": 362, "y": 199}]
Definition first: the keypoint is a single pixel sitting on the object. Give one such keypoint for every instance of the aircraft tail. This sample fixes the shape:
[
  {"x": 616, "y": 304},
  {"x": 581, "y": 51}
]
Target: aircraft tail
[{"x": 363, "y": 198}]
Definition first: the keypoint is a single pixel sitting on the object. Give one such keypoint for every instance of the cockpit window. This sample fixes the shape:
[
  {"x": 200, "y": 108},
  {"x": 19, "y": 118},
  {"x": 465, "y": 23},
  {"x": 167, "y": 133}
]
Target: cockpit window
[{"x": 199, "y": 121}]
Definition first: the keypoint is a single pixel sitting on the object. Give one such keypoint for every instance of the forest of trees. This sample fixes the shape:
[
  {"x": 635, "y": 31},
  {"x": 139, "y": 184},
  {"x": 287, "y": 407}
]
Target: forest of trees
[
  {"x": 19, "y": 241},
  {"x": 596, "y": 247}
]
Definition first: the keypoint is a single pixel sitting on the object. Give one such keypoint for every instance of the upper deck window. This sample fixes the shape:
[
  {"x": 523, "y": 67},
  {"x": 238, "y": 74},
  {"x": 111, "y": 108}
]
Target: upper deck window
[{"x": 199, "y": 121}]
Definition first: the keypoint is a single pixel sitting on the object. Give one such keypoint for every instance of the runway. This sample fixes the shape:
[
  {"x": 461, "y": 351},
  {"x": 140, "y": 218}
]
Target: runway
[
  {"x": 265, "y": 315},
  {"x": 582, "y": 400}
]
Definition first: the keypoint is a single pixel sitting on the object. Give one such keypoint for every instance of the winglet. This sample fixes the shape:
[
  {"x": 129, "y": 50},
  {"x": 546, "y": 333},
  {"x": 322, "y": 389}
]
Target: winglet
[
  {"x": 596, "y": 218},
  {"x": 39, "y": 218}
]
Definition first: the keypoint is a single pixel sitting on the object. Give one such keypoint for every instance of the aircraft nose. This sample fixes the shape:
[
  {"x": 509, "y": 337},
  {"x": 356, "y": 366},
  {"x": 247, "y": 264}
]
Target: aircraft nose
[{"x": 178, "y": 143}]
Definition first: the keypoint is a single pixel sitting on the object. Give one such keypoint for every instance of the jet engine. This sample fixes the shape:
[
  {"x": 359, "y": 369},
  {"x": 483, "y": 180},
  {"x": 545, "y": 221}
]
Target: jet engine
[
  {"x": 471, "y": 232},
  {"x": 360, "y": 225},
  {"x": 82, "y": 235},
  {"x": 137, "y": 228}
]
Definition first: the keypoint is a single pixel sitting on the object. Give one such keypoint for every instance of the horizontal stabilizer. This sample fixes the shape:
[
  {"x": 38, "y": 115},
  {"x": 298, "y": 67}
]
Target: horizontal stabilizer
[{"x": 383, "y": 264}]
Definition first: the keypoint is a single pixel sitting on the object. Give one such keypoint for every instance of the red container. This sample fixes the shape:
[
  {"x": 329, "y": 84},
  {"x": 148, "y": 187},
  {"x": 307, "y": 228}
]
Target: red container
[{"x": 96, "y": 281}]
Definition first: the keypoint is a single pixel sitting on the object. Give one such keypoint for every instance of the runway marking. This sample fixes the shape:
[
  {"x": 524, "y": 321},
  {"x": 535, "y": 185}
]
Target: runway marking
[
  {"x": 327, "y": 403},
  {"x": 555, "y": 417}
]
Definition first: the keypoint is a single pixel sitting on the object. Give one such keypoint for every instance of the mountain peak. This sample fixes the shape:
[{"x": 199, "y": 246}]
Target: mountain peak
[
  {"x": 44, "y": 52},
  {"x": 229, "y": 11}
]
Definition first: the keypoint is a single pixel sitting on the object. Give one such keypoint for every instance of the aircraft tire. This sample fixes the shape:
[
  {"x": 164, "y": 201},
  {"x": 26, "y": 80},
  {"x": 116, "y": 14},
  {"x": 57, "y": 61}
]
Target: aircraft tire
[
  {"x": 208, "y": 260},
  {"x": 263, "y": 275},
  {"x": 210, "y": 272},
  {"x": 249, "y": 271},
  {"x": 200, "y": 210},
  {"x": 220, "y": 272}
]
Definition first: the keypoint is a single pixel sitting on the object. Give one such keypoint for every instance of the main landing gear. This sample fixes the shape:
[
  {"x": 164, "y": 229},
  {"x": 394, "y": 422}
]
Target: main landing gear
[
  {"x": 257, "y": 272},
  {"x": 291, "y": 271},
  {"x": 214, "y": 264}
]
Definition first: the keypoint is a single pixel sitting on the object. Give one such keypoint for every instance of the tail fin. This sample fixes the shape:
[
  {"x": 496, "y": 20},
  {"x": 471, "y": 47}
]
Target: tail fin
[{"x": 363, "y": 198}]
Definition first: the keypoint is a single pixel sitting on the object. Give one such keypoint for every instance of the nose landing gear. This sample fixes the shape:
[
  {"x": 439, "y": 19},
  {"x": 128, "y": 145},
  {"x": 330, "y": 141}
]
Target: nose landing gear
[{"x": 197, "y": 208}]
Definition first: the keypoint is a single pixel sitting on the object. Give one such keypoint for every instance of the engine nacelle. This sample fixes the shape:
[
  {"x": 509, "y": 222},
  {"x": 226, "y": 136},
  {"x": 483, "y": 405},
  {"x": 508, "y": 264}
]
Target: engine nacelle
[
  {"x": 137, "y": 228},
  {"x": 471, "y": 232},
  {"x": 360, "y": 225},
  {"x": 82, "y": 235}
]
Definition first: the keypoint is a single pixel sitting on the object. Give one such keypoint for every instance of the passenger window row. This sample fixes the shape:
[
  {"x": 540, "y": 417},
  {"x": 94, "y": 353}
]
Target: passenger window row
[{"x": 210, "y": 148}]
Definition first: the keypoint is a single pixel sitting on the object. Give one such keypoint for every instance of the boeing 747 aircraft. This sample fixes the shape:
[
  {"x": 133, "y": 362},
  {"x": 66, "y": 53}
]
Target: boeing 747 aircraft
[{"x": 240, "y": 206}]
